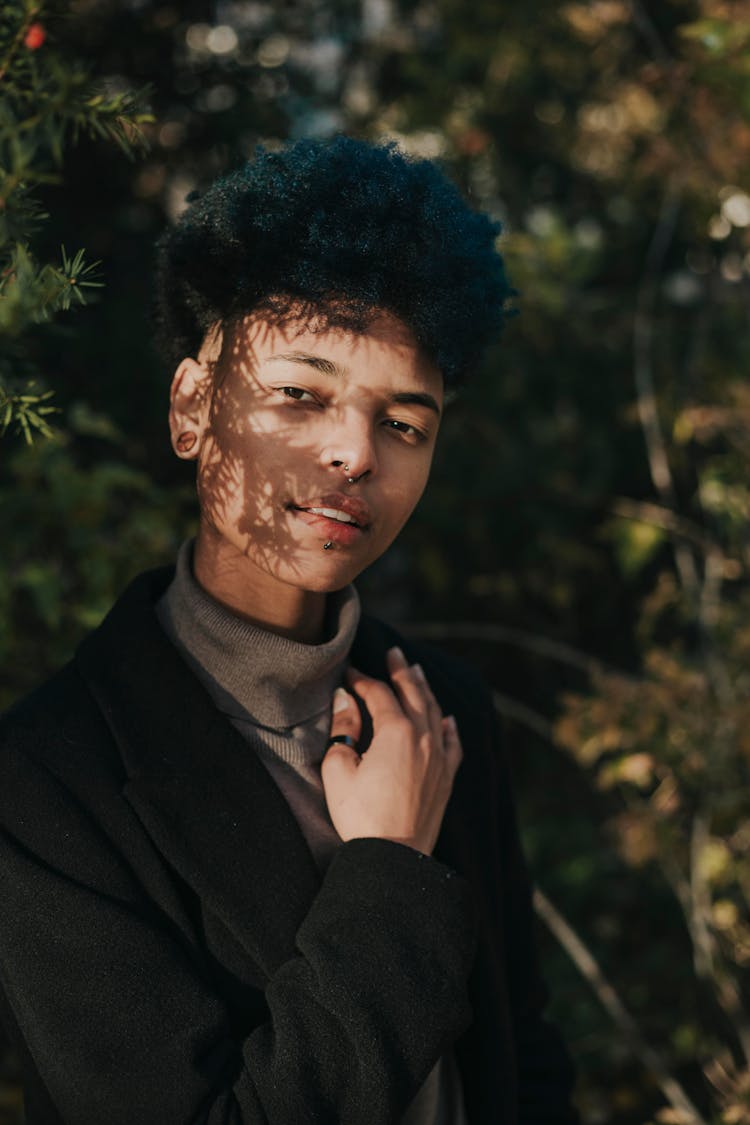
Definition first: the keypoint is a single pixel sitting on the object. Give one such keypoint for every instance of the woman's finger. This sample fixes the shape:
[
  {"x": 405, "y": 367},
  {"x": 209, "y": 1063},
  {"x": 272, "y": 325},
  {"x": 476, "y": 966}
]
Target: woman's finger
[
  {"x": 414, "y": 693},
  {"x": 377, "y": 697},
  {"x": 346, "y": 721},
  {"x": 452, "y": 742},
  {"x": 341, "y": 756}
]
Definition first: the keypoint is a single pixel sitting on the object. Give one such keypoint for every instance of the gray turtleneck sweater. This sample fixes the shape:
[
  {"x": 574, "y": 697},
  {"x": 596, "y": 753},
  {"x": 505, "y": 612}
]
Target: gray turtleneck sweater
[{"x": 277, "y": 693}]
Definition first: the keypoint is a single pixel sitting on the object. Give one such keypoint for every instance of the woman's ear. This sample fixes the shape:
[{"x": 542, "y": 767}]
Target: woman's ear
[{"x": 189, "y": 401}]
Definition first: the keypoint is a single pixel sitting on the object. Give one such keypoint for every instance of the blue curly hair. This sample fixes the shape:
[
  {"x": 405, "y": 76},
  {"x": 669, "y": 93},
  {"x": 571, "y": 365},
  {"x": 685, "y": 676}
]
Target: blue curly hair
[{"x": 335, "y": 230}]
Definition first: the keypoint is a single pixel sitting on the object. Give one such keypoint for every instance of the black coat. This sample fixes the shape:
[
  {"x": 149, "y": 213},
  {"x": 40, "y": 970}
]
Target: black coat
[{"x": 169, "y": 953}]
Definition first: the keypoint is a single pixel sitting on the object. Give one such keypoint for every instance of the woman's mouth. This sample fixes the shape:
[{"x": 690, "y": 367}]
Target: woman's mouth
[
  {"x": 332, "y": 514},
  {"x": 340, "y": 519}
]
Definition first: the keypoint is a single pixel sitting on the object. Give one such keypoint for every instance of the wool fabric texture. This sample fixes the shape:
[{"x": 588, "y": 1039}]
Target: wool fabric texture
[
  {"x": 170, "y": 953},
  {"x": 274, "y": 690},
  {"x": 277, "y": 693}
]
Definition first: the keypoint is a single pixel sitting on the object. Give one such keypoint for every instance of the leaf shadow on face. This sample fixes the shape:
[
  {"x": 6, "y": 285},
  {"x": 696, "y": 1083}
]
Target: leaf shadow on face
[
  {"x": 256, "y": 457},
  {"x": 262, "y": 454}
]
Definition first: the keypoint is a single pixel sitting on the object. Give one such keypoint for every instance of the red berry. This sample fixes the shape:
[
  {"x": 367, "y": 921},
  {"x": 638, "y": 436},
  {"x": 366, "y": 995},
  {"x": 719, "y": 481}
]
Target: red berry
[{"x": 35, "y": 36}]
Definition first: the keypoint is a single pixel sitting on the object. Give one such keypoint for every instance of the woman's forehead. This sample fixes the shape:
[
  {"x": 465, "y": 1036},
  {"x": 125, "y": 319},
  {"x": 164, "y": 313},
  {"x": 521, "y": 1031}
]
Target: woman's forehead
[{"x": 385, "y": 350}]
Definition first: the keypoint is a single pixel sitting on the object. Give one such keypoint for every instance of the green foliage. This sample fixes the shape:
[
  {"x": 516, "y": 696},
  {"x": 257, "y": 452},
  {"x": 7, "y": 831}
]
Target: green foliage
[
  {"x": 34, "y": 293},
  {"x": 614, "y": 492},
  {"x": 47, "y": 103},
  {"x": 81, "y": 531},
  {"x": 674, "y": 745},
  {"x": 590, "y": 497},
  {"x": 29, "y": 411}
]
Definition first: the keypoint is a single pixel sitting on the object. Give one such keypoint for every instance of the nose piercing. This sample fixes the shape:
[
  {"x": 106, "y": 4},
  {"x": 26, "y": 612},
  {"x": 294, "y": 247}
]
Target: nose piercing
[{"x": 349, "y": 480}]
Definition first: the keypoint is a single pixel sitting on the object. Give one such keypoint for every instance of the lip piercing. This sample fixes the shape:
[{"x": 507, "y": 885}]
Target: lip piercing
[{"x": 327, "y": 546}]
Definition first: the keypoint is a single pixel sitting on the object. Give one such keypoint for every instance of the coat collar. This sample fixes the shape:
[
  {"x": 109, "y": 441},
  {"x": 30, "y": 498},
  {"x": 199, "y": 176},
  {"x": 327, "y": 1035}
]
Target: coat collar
[{"x": 202, "y": 794}]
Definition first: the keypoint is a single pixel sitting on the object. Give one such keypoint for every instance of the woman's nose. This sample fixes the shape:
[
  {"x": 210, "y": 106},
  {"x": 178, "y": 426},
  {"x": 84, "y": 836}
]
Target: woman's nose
[{"x": 350, "y": 448}]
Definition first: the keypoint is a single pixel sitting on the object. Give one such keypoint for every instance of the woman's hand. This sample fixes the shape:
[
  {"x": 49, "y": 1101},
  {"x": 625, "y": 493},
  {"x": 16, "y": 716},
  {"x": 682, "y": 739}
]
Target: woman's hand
[{"x": 399, "y": 788}]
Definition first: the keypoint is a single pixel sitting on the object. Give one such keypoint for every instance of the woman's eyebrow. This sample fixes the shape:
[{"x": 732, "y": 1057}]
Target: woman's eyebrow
[
  {"x": 328, "y": 367},
  {"x": 416, "y": 398}
]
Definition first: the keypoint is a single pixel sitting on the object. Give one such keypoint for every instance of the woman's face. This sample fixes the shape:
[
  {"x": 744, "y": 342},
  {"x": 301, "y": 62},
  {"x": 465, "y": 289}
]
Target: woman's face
[{"x": 294, "y": 418}]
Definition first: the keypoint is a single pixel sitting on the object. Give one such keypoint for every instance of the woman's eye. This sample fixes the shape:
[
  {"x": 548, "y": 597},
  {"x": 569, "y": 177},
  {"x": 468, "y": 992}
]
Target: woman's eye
[
  {"x": 405, "y": 428},
  {"x": 297, "y": 394}
]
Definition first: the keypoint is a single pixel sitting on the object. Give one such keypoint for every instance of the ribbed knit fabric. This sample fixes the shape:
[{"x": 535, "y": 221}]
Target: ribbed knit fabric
[{"x": 277, "y": 692}]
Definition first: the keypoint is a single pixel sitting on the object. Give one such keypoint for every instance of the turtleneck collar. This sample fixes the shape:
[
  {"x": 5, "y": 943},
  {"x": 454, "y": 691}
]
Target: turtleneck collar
[{"x": 278, "y": 682}]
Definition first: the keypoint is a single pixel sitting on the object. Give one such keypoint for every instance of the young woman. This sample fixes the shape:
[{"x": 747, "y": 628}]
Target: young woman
[{"x": 243, "y": 876}]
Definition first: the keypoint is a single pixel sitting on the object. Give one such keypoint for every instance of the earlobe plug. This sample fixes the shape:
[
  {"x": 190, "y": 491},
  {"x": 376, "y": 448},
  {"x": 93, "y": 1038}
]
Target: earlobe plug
[{"x": 185, "y": 442}]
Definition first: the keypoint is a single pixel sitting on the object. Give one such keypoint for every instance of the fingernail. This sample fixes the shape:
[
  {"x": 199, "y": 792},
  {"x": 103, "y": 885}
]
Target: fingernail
[
  {"x": 451, "y": 721},
  {"x": 341, "y": 700},
  {"x": 397, "y": 655},
  {"x": 418, "y": 671}
]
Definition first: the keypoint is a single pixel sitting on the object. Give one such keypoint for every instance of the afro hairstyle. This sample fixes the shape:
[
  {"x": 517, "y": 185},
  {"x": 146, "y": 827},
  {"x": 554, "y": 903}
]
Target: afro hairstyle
[{"x": 335, "y": 231}]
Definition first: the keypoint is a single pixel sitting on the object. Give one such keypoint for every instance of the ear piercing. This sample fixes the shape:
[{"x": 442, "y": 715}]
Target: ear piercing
[{"x": 185, "y": 442}]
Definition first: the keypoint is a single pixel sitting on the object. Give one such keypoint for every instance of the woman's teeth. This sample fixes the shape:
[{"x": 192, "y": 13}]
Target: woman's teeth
[{"x": 332, "y": 514}]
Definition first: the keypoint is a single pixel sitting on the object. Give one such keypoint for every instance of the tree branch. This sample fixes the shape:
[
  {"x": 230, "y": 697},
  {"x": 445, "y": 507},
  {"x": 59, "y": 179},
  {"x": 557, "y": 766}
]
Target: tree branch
[
  {"x": 589, "y": 968},
  {"x": 717, "y": 977},
  {"x": 526, "y": 716},
  {"x": 643, "y": 325},
  {"x": 647, "y": 28},
  {"x": 520, "y": 638},
  {"x": 654, "y": 514},
  {"x": 28, "y": 19}
]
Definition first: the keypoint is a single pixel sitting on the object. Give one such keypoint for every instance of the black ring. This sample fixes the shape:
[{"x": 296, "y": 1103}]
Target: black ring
[{"x": 345, "y": 739}]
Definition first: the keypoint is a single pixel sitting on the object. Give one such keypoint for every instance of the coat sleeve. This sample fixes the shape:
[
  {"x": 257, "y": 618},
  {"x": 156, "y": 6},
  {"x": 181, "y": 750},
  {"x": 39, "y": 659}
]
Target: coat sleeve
[
  {"x": 123, "y": 1024},
  {"x": 544, "y": 1069}
]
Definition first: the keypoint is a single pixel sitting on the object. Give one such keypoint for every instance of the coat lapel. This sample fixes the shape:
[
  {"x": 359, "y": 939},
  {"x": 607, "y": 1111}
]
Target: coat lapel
[
  {"x": 204, "y": 797},
  {"x": 202, "y": 794}
]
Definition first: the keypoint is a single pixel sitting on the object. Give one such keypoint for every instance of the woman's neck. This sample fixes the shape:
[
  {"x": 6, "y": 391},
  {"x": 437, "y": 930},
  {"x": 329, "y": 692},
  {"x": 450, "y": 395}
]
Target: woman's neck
[{"x": 255, "y": 595}]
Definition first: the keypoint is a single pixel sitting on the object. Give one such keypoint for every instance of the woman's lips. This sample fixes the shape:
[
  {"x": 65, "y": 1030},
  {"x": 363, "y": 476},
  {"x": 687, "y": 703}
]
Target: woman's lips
[
  {"x": 321, "y": 512},
  {"x": 330, "y": 529}
]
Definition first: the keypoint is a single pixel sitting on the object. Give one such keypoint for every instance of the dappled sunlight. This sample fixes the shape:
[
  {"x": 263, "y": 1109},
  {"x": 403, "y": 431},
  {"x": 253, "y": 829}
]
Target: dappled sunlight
[
  {"x": 270, "y": 459},
  {"x": 610, "y": 616}
]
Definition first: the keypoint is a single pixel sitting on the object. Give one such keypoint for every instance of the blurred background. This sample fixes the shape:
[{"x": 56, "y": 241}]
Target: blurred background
[{"x": 584, "y": 540}]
